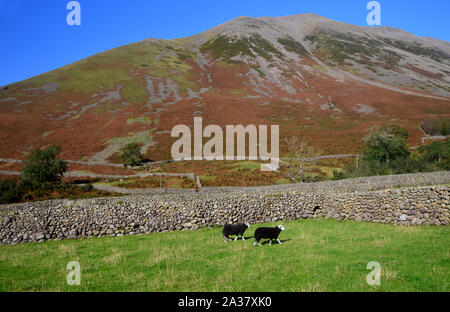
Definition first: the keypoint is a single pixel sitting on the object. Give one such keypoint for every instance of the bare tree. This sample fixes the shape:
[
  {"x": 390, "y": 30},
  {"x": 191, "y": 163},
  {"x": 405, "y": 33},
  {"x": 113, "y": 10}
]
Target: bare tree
[{"x": 301, "y": 160}]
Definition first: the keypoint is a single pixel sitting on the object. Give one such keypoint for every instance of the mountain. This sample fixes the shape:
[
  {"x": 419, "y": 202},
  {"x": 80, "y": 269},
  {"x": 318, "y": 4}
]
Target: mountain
[{"x": 326, "y": 80}]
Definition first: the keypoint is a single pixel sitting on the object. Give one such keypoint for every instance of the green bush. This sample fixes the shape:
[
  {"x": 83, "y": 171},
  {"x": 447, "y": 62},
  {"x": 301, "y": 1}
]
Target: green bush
[
  {"x": 11, "y": 191},
  {"x": 313, "y": 179},
  {"x": 87, "y": 188},
  {"x": 374, "y": 168},
  {"x": 437, "y": 153},
  {"x": 338, "y": 175},
  {"x": 383, "y": 147},
  {"x": 42, "y": 168},
  {"x": 367, "y": 169},
  {"x": 410, "y": 165},
  {"x": 386, "y": 153},
  {"x": 131, "y": 155}
]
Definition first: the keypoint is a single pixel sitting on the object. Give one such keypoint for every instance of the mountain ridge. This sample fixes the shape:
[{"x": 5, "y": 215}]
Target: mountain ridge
[{"x": 312, "y": 75}]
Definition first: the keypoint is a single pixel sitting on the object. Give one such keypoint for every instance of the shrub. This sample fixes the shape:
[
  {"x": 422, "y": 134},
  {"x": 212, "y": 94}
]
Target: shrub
[
  {"x": 42, "y": 168},
  {"x": 386, "y": 153},
  {"x": 410, "y": 165},
  {"x": 313, "y": 179},
  {"x": 11, "y": 191},
  {"x": 131, "y": 155},
  {"x": 383, "y": 147},
  {"x": 437, "y": 153},
  {"x": 87, "y": 188},
  {"x": 367, "y": 169},
  {"x": 338, "y": 175}
]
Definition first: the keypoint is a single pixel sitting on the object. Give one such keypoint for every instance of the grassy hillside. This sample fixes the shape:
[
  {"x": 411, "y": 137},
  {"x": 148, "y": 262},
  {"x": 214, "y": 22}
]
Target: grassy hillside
[{"x": 317, "y": 255}]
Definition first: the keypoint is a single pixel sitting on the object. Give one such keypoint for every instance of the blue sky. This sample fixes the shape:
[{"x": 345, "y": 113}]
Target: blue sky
[{"x": 35, "y": 37}]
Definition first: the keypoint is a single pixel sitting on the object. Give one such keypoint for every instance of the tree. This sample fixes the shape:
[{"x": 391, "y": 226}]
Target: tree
[
  {"x": 301, "y": 160},
  {"x": 42, "y": 166},
  {"x": 131, "y": 155},
  {"x": 437, "y": 153},
  {"x": 396, "y": 130},
  {"x": 382, "y": 147},
  {"x": 386, "y": 152}
]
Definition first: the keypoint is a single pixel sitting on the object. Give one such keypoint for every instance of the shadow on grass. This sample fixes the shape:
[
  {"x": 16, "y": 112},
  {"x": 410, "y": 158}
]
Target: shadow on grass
[
  {"x": 275, "y": 242},
  {"x": 240, "y": 238},
  {"x": 266, "y": 242}
]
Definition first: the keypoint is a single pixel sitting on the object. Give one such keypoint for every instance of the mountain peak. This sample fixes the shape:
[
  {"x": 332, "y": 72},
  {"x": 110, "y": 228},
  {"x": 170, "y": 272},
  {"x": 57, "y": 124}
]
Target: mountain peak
[{"x": 301, "y": 71}]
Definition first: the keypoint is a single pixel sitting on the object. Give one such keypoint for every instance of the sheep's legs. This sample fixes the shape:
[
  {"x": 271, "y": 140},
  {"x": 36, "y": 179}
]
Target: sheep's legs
[
  {"x": 225, "y": 239},
  {"x": 254, "y": 244},
  {"x": 235, "y": 239},
  {"x": 243, "y": 238},
  {"x": 279, "y": 242},
  {"x": 270, "y": 243}
]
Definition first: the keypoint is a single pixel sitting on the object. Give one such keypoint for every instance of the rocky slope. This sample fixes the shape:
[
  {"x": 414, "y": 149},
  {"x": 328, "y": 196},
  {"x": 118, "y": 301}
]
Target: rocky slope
[{"x": 326, "y": 80}]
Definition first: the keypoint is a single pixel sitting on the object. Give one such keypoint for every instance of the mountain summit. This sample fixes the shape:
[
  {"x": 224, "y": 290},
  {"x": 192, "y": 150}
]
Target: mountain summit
[{"x": 315, "y": 77}]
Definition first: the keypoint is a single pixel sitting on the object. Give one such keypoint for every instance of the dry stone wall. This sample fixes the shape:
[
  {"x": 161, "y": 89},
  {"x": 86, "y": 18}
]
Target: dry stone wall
[{"x": 62, "y": 219}]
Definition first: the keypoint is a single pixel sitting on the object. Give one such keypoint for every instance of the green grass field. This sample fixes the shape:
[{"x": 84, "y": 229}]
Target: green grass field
[{"x": 317, "y": 255}]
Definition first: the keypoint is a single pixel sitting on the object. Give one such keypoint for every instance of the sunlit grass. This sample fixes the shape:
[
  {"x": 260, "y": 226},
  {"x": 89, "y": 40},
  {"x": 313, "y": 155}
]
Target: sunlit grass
[{"x": 317, "y": 255}]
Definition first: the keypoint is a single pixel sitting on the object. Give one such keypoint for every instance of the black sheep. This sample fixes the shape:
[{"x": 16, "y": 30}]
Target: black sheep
[
  {"x": 270, "y": 233},
  {"x": 234, "y": 229}
]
